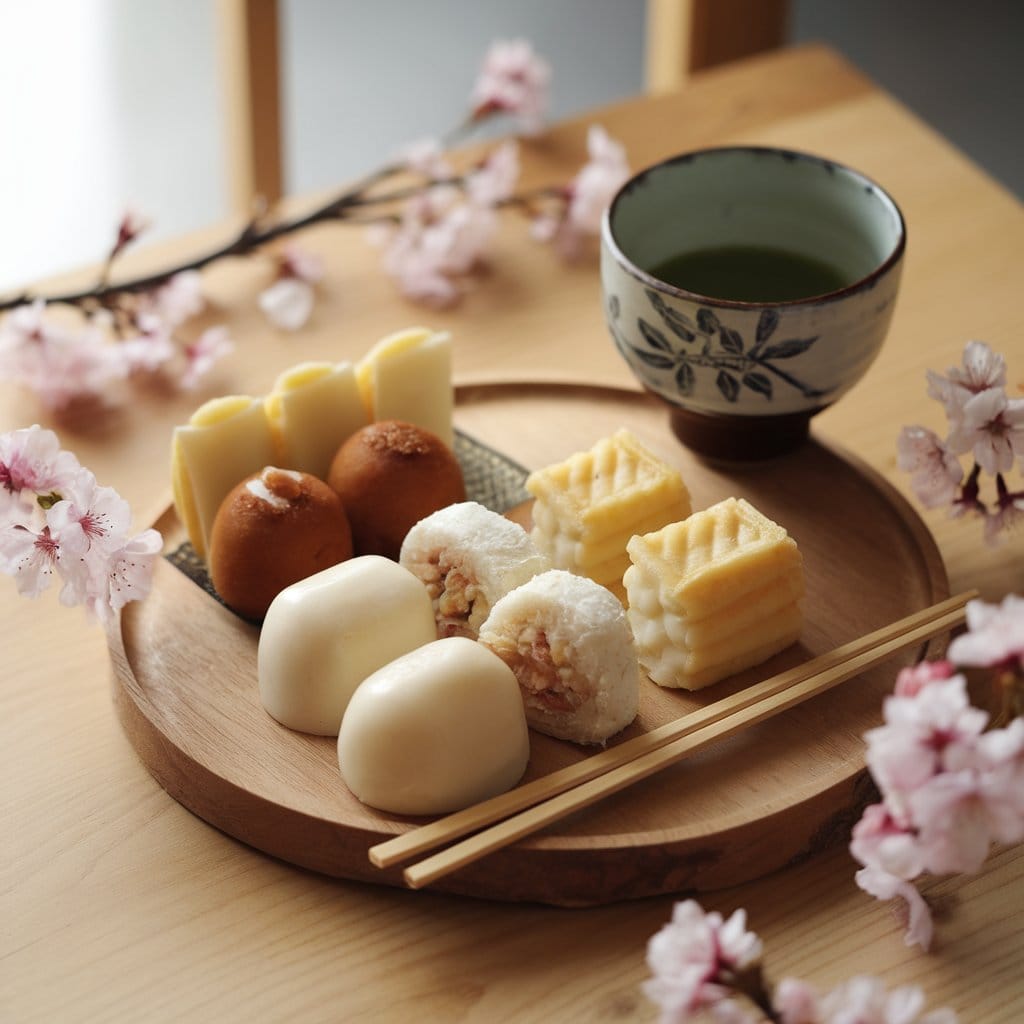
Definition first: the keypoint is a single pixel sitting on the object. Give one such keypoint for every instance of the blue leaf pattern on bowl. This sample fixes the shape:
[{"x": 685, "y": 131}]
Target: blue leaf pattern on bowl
[{"x": 722, "y": 349}]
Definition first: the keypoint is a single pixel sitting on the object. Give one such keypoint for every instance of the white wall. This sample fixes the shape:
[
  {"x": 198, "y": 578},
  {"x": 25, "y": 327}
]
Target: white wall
[
  {"x": 366, "y": 76},
  {"x": 103, "y": 103}
]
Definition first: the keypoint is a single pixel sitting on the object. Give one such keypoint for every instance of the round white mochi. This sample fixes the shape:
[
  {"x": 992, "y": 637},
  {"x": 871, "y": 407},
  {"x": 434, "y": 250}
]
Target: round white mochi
[
  {"x": 325, "y": 634},
  {"x": 435, "y": 731}
]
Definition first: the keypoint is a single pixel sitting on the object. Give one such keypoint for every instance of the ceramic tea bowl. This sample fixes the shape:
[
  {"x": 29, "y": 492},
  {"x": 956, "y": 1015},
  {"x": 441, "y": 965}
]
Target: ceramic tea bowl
[{"x": 743, "y": 376}]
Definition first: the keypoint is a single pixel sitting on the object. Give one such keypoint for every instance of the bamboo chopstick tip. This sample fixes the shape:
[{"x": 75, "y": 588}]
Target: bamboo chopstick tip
[{"x": 412, "y": 879}]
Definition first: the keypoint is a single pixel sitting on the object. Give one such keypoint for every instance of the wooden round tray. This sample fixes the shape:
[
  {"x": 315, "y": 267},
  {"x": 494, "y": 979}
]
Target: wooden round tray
[{"x": 185, "y": 687}]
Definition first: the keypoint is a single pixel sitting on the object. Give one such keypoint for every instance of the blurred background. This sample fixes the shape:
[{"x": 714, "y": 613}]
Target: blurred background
[{"x": 112, "y": 103}]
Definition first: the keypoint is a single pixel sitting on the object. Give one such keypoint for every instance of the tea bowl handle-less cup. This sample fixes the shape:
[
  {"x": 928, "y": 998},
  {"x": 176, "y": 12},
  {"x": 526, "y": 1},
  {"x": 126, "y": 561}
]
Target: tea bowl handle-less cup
[{"x": 742, "y": 379}]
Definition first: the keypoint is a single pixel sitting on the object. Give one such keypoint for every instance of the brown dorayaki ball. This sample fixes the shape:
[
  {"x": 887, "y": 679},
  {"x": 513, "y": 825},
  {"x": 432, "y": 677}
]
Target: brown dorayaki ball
[
  {"x": 275, "y": 528},
  {"x": 390, "y": 475}
]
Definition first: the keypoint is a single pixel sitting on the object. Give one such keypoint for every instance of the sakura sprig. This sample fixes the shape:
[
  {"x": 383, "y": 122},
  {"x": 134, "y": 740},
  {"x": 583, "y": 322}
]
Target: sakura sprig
[
  {"x": 703, "y": 964},
  {"x": 58, "y": 523},
  {"x": 122, "y": 335},
  {"x": 951, "y": 779},
  {"x": 983, "y": 423},
  {"x": 434, "y": 224}
]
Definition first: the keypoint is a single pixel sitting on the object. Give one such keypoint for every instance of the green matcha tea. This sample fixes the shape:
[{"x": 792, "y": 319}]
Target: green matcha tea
[{"x": 749, "y": 273}]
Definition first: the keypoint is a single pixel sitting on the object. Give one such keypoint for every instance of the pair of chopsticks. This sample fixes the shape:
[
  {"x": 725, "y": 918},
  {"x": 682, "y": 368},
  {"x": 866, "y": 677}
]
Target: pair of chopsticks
[{"x": 528, "y": 808}]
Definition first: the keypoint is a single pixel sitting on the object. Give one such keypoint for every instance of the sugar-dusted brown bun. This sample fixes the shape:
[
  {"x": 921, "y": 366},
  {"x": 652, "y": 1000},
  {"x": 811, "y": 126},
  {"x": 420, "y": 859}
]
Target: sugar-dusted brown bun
[
  {"x": 390, "y": 475},
  {"x": 273, "y": 529}
]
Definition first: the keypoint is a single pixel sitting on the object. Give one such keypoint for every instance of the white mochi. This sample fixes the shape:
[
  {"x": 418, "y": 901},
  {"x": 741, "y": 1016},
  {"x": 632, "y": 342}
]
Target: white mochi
[
  {"x": 325, "y": 634},
  {"x": 439, "y": 729}
]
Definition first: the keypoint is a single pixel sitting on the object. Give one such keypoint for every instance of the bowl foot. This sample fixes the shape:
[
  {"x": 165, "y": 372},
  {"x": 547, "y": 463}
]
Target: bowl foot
[{"x": 740, "y": 438}]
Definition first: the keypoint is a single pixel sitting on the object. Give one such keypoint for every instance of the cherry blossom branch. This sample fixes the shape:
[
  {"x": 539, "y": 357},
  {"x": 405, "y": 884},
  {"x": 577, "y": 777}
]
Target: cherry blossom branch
[
  {"x": 253, "y": 237},
  {"x": 434, "y": 229},
  {"x": 951, "y": 777},
  {"x": 57, "y": 523},
  {"x": 513, "y": 80},
  {"x": 702, "y": 964},
  {"x": 984, "y": 422},
  {"x": 250, "y": 238}
]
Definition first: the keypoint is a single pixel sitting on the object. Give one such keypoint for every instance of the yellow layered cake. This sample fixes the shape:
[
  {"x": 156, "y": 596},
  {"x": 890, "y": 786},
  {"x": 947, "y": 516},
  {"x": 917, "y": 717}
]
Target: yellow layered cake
[
  {"x": 225, "y": 440},
  {"x": 713, "y": 594},
  {"x": 312, "y": 409},
  {"x": 408, "y": 376},
  {"x": 588, "y": 506}
]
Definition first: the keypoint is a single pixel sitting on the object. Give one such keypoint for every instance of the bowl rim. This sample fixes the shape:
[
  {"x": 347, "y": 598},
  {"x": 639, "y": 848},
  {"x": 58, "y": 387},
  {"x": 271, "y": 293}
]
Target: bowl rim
[{"x": 863, "y": 283}]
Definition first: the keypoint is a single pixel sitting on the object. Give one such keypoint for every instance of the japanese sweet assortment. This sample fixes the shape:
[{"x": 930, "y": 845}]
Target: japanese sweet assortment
[{"x": 431, "y": 634}]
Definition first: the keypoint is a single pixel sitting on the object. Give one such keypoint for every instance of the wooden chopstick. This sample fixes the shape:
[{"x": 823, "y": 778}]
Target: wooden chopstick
[{"x": 614, "y": 769}]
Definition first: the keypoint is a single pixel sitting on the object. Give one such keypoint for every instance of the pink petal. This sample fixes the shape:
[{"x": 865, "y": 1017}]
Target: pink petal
[
  {"x": 796, "y": 1002},
  {"x": 995, "y": 634},
  {"x": 886, "y": 887},
  {"x": 287, "y": 303}
]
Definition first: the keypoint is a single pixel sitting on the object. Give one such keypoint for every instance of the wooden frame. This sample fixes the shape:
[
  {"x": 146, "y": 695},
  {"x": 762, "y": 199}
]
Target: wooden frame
[
  {"x": 684, "y": 36},
  {"x": 251, "y": 67}
]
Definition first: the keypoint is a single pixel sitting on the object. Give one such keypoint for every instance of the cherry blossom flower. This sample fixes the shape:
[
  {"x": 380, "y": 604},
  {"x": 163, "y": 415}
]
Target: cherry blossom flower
[
  {"x": 882, "y": 842},
  {"x": 420, "y": 273},
  {"x": 587, "y": 196},
  {"x": 78, "y": 531},
  {"x": 936, "y": 472},
  {"x": 426, "y": 157},
  {"x": 513, "y": 80},
  {"x": 982, "y": 421},
  {"x": 91, "y": 520},
  {"x": 1001, "y": 766},
  {"x": 981, "y": 369},
  {"x": 995, "y": 634},
  {"x": 878, "y": 882},
  {"x": 57, "y": 364},
  {"x": 91, "y": 525},
  {"x": 1008, "y": 516},
  {"x": 31, "y": 460},
  {"x": 796, "y": 1002},
  {"x": 179, "y": 299},
  {"x": 440, "y": 238},
  {"x": 865, "y": 1000},
  {"x": 728, "y": 1011},
  {"x": 127, "y": 575},
  {"x": 31, "y": 557},
  {"x": 912, "y": 680},
  {"x": 301, "y": 264},
  {"x": 936, "y": 730},
  {"x": 597, "y": 182},
  {"x": 991, "y": 427},
  {"x": 950, "y": 786},
  {"x": 201, "y": 355},
  {"x": 703, "y": 966},
  {"x": 131, "y": 225},
  {"x": 692, "y": 955},
  {"x": 495, "y": 179},
  {"x": 288, "y": 302},
  {"x": 958, "y": 818},
  {"x": 152, "y": 348}
]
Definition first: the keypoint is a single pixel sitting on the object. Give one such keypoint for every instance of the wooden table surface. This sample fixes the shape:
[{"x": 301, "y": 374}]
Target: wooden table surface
[{"x": 118, "y": 905}]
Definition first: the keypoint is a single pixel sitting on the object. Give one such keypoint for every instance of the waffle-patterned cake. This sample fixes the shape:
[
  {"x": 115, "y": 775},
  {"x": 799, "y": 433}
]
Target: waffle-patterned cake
[
  {"x": 714, "y": 594},
  {"x": 588, "y": 506}
]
